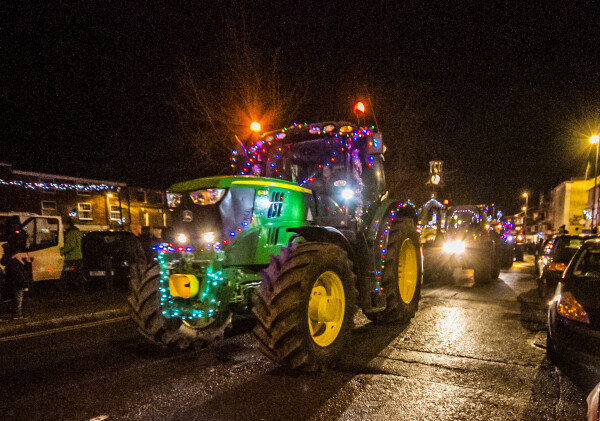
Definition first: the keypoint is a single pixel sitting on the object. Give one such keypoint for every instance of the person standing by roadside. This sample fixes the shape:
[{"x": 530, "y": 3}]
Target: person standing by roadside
[
  {"x": 16, "y": 272},
  {"x": 72, "y": 272}
]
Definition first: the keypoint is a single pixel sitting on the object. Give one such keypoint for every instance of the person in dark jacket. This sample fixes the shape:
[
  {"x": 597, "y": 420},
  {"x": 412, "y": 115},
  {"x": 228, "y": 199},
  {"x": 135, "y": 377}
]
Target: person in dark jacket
[
  {"x": 16, "y": 276},
  {"x": 149, "y": 244},
  {"x": 72, "y": 272}
]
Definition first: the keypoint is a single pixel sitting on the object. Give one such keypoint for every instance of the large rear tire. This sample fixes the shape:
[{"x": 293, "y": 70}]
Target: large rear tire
[
  {"x": 146, "y": 312},
  {"x": 305, "y": 306},
  {"x": 402, "y": 275}
]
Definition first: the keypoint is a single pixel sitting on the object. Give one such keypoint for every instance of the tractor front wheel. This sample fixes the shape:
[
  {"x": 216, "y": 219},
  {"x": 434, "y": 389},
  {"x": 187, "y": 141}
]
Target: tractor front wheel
[
  {"x": 146, "y": 312},
  {"x": 305, "y": 306}
]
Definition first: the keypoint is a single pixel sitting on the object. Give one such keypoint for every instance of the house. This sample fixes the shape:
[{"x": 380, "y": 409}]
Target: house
[
  {"x": 570, "y": 206},
  {"x": 95, "y": 204}
]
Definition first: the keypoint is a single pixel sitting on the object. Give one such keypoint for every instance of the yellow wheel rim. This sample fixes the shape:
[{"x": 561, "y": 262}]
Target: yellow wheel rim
[
  {"x": 326, "y": 308},
  {"x": 407, "y": 271}
]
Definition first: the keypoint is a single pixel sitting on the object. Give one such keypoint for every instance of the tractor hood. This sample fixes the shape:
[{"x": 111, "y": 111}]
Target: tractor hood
[
  {"x": 223, "y": 182},
  {"x": 216, "y": 209}
]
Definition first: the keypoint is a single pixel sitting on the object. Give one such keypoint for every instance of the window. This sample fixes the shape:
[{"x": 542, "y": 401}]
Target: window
[
  {"x": 46, "y": 232},
  {"x": 84, "y": 211},
  {"x": 41, "y": 233},
  {"x": 155, "y": 197},
  {"x": 115, "y": 213},
  {"x": 48, "y": 207},
  {"x": 140, "y": 196}
]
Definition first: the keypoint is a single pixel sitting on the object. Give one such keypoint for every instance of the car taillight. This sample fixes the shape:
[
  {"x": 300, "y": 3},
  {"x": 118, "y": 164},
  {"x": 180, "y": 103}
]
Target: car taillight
[
  {"x": 557, "y": 266},
  {"x": 568, "y": 307}
]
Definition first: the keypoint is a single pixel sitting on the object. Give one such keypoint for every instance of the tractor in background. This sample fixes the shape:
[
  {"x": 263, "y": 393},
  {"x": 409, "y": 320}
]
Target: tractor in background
[
  {"x": 299, "y": 237},
  {"x": 459, "y": 237}
]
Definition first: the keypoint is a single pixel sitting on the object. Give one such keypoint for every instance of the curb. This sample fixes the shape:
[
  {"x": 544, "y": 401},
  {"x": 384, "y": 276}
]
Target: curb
[{"x": 17, "y": 328}]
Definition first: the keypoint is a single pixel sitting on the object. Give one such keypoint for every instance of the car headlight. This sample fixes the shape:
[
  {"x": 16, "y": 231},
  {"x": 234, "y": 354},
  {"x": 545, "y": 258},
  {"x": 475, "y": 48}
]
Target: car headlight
[
  {"x": 568, "y": 307},
  {"x": 207, "y": 197},
  {"x": 454, "y": 247},
  {"x": 173, "y": 199}
]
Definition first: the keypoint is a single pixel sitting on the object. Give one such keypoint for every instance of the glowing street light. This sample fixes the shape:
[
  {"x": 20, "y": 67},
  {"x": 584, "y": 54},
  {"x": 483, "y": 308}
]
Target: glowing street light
[
  {"x": 526, "y": 196},
  {"x": 594, "y": 141},
  {"x": 255, "y": 126}
]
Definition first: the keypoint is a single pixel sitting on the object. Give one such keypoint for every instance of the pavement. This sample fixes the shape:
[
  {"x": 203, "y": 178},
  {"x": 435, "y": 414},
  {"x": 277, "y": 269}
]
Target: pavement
[{"x": 53, "y": 306}]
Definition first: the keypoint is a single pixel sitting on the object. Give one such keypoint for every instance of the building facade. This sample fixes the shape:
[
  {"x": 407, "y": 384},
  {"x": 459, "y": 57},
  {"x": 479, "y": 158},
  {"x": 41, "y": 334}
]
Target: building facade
[
  {"x": 94, "y": 204},
  {"x": 569, "y": 206}
]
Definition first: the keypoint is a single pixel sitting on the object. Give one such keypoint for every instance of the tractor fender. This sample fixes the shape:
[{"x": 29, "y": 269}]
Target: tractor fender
[
  {"x": 385, "y": 207},
  {"x": 325, "y": 234}
]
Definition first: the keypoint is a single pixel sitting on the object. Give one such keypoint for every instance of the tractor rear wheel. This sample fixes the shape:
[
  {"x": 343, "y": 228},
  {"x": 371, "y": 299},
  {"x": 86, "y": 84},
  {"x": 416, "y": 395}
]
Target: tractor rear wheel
[
  {"x": 146, "y": 312},
  {"x": 401, "y": 276},
  {"x": 305, "y": 306}
]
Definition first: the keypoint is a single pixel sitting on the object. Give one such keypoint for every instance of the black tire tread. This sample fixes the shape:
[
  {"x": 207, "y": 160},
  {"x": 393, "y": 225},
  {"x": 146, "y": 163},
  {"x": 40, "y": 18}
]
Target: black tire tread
[{"x": 279, "y": 306}]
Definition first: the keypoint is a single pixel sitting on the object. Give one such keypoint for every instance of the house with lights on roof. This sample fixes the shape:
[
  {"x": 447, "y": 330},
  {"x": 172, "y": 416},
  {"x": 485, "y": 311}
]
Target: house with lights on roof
[{"x": 94, "y": 204}]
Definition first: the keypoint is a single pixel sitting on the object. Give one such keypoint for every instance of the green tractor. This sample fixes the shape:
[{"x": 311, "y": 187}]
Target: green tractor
[{"x": 299, "y": 237}]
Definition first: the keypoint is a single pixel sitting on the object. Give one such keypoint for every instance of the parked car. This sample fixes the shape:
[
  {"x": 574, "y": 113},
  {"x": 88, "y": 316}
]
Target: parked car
[
  {"x": 553, "y": 260},
  {"x": 109, "y": 255},
  {"x": 574, "y": 312}
]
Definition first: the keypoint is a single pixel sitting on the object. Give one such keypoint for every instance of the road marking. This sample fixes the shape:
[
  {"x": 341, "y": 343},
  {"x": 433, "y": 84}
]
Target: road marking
[{"x": 62, "y": 329}]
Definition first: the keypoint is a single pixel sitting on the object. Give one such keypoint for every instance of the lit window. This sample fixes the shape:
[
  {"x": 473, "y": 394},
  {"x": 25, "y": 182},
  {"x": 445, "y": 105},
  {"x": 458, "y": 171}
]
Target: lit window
[
  {"x": 115, "y": 213},
  {"x": 84, "y": 211}
]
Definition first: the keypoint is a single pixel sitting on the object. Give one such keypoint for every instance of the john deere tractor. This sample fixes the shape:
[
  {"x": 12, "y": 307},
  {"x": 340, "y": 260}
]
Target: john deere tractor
[{"x": 301, "y": 235}]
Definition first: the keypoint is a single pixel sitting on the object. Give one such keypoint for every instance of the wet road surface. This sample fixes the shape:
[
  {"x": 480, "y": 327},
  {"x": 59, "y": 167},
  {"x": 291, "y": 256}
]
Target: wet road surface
[{"x": 471, "y": 352}]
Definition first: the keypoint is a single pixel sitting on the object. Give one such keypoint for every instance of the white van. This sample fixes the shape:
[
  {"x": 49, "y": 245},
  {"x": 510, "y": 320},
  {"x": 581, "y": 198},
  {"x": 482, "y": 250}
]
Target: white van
[{"x": 44, "y": 239}]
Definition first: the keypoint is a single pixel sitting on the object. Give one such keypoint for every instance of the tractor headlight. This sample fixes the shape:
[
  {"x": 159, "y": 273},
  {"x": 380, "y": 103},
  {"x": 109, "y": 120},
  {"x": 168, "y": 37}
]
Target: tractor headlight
[
  {"x": 182, "y": 238},
  {"x": 456, "y": 247},
  {"x": 209, "y": 237},
  {"x": 207, "y": 197},
  {"x": 173, "y": 199},
  {"x": 347, "y": 194}
]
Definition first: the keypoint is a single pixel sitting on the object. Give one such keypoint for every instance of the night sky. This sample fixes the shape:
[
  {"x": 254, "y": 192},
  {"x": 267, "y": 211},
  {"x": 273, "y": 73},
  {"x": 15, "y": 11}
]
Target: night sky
[{"x": 510, "y": 91}]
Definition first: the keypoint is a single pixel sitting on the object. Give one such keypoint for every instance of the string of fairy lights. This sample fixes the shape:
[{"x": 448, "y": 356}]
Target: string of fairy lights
[
  {"x": 268, "y": 152},
  {"x": 342, "y": 137},
  {"x": 51, "y": 186},
  {"x": 384, "y": 239}
]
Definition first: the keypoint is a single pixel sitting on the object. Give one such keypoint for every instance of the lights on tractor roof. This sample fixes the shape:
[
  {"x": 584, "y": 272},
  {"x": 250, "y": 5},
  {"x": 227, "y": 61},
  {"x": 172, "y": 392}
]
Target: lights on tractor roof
[{"x": 359, "y": 107}]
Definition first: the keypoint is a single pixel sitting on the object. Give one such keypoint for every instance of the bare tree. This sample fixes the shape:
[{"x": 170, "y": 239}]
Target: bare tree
[
  {"x": 215, "y": 113},
  {"x": 405, "y": 122}
]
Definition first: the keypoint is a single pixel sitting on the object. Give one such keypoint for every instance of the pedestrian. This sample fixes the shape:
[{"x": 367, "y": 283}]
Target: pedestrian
[
  {"x": 72, "y": 272},
  {"x": 149, "y": 243},
  {"x": 16, "y": 276}
]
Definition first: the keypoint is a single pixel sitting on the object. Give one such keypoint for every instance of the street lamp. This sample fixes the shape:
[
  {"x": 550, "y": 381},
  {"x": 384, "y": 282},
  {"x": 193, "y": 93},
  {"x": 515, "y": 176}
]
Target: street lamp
[
  {"x": 526, "y": 196},
  {"x": 594, "y": 141}
]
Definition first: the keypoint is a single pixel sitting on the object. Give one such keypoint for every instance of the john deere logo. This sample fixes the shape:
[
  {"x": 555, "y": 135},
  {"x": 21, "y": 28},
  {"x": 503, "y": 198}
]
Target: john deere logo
[{"x": 188, "y": 216}]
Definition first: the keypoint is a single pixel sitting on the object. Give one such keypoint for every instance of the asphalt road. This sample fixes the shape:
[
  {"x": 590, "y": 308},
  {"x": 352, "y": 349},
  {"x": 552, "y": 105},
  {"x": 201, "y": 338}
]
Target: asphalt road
[{"x": 470, "y": 353}]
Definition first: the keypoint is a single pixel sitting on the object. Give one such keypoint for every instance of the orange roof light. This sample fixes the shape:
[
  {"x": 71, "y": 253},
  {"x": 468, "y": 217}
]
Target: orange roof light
[{"x": 359, "y": 107}]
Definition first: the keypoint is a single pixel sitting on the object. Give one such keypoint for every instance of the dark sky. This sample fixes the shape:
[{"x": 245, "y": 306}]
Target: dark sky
[{"x": 512, "y": 88}]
